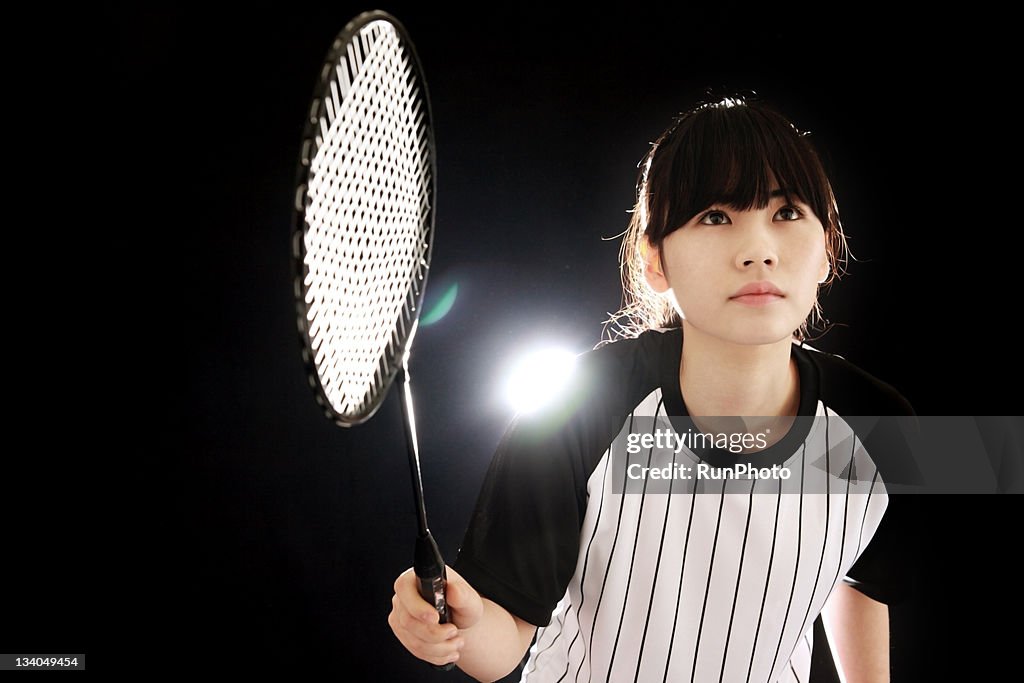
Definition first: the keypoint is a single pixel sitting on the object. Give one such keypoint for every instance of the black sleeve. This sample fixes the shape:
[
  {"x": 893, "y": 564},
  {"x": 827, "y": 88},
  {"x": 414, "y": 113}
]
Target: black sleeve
[
  {"x": 522, "y": 542},
  {"x": 887, "y": 568}
]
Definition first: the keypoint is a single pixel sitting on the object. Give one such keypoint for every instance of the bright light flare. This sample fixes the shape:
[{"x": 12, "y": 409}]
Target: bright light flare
[{"x": 538, "y": 378}]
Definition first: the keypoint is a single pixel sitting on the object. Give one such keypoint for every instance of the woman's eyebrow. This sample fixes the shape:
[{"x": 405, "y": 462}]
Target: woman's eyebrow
[{"x": 788, "y": 193}]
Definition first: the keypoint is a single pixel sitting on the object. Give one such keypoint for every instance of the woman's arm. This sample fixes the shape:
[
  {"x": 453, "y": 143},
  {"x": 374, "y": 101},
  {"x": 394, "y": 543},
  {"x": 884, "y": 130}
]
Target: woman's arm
[
  {"x": 484, "y": 639},
  {"x": 859, "y": 628},
  {"x": 491, "y": 649}
]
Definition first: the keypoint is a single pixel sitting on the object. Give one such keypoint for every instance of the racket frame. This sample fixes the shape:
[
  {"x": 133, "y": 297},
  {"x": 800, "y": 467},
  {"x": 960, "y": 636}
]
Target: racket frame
[{"x": 401, "y": 338}]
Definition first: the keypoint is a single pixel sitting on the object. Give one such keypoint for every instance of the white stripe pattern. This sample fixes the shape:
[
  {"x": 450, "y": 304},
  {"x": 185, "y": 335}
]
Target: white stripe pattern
[{"x": 720, "y": 586}]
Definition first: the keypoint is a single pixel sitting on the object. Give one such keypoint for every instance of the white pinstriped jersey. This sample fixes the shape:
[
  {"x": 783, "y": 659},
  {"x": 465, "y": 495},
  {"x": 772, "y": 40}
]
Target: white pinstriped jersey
[{"x": 720, "y": 580}]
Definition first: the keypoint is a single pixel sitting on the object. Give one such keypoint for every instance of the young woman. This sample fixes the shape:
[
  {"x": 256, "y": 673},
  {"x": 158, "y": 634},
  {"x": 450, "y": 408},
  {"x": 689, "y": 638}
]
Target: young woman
[{"x": 735, "y": 229}]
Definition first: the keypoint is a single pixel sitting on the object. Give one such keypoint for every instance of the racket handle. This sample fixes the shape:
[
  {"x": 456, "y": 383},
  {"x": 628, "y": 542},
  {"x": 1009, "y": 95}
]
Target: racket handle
[{"x": 431, "y": 577}]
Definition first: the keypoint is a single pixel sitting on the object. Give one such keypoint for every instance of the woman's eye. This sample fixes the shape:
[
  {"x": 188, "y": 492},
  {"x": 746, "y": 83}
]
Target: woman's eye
[
  {"x": 789, "y": 213},
  {"x": 714, "y": 218}
]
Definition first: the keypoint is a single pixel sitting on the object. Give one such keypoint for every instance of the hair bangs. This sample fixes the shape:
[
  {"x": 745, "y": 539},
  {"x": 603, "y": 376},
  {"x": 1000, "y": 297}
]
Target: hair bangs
[{"x": 735, "y": 156}]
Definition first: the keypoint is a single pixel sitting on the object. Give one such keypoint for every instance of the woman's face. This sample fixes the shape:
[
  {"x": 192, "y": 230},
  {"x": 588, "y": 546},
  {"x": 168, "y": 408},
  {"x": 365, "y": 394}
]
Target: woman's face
[{"x": 721, "y": 250}]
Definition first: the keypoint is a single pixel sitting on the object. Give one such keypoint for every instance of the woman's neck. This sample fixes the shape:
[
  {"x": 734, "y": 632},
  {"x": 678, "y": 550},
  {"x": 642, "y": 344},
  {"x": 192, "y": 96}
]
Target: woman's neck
[{"x": 724, "y": 379}]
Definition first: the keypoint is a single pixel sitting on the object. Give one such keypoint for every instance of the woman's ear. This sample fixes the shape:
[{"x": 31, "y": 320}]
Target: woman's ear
[
  {"x": 823, "y": 273},
  {"x": 652, "y": 266}
]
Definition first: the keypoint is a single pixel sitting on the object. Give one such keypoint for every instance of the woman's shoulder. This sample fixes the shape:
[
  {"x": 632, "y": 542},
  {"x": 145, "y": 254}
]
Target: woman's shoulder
[
  {"x": 849, "y": 389},
  {"x": 635, "y": 365}
]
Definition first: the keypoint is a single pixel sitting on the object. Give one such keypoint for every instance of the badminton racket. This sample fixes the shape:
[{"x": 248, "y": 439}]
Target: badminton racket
[{"x": 362, "y": 239}]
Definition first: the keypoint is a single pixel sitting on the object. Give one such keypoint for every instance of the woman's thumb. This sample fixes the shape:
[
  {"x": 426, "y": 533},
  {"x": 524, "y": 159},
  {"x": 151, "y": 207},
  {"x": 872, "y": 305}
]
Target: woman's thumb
[{"x": 458, "y": 593}]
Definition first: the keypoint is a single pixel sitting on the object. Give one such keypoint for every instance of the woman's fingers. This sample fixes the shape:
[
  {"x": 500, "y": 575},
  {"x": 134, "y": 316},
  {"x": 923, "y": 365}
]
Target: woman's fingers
[{"x": 414, "y": 622}]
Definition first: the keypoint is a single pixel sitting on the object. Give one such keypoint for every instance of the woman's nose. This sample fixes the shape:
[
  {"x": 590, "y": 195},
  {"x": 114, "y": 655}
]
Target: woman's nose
[
  {"x": 757, "y": 247},
  {"x": 756, "y": 252}
]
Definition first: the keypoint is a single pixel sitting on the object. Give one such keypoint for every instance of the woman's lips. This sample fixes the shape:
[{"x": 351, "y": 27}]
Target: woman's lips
[{"x": 757, "y": 299}]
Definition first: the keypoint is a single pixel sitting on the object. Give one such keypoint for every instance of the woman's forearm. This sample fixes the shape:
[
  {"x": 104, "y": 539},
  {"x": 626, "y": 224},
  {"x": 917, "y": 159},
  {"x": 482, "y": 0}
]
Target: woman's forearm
[
  {"x": 859, "y": 629},
  {"x": 495, "y": 644}
]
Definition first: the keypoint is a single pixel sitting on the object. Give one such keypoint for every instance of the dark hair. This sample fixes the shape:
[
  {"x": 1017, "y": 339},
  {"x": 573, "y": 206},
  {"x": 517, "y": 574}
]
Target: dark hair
[{"x": 721, "y": 152}]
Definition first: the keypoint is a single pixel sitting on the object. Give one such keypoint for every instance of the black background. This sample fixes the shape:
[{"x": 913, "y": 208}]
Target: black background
[{"x": 244, "y": 531}]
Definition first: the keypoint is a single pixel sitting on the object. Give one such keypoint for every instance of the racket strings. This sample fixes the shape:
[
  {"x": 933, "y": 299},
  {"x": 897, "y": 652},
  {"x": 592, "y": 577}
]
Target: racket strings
[{"x": 368, "y": 211}]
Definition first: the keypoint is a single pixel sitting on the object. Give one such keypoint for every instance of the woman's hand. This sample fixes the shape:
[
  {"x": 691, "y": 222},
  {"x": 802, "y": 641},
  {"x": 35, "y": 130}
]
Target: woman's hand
[{"x": 415, "y": 622}]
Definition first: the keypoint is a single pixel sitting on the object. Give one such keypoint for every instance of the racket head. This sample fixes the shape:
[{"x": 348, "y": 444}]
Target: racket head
[{"x": 363, "y": 228}]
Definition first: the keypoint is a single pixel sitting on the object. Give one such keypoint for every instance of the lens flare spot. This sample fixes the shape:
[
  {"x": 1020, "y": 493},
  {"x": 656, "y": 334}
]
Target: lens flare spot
[
  {"x": 538, "y": 378},
  {"x": 441, "y": 307}
]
